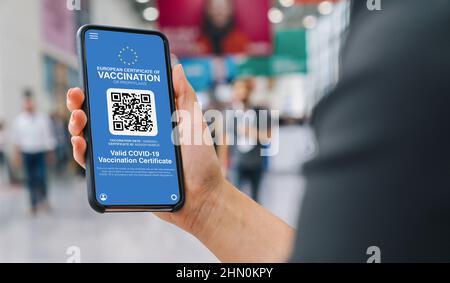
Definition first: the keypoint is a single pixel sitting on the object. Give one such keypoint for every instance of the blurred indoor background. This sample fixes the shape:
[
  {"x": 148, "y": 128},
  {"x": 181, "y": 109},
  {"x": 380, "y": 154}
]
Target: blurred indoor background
[{"x": 284, "y": 53}]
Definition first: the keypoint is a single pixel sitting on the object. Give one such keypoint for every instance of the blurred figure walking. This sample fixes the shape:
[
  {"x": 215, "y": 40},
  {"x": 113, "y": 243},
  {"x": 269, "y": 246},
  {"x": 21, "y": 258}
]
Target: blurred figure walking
[
  {"x": 34, "y": 140},
  {"x": 4, "y": 180},
  {"x": 63, "y": 149},
  {"x": 247, "y": 135}
]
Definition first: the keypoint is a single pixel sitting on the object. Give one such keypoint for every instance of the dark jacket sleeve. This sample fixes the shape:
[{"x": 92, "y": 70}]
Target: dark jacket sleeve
[{"x": 382, "y": 173}]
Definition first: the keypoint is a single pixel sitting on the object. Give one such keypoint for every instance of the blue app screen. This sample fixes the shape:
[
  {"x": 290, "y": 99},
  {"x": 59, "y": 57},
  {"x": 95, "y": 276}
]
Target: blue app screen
[{"x": 134, "y": 157}]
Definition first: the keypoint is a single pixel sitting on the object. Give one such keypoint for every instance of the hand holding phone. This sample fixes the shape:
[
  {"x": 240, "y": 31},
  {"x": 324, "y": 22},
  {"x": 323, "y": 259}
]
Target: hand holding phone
[
  {"x": 213, "y": 206},
  {"x": 131, "y": 162},
  {"x": 115, "y": 78}
]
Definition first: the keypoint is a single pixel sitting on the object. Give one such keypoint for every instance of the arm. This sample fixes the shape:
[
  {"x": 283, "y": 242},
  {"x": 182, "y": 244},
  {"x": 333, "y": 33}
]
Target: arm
[
  {"x": 237, "y": 229},
  {"x": 262, "y": 132},
  {"x": 50, "y": 141},
  {"x": 231, "y": 225},
  {"x": 222, "y": 154},
  {"x": 16, "y": 159}
]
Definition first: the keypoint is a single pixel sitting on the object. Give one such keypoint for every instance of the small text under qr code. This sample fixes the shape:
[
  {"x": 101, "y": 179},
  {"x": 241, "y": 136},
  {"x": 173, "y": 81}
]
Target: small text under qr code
[{"x": 132, "y": 112}]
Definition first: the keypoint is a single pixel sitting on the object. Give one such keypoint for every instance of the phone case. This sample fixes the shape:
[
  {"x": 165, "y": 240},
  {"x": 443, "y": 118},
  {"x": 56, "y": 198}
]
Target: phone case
[{"x": 90, "y": 176}]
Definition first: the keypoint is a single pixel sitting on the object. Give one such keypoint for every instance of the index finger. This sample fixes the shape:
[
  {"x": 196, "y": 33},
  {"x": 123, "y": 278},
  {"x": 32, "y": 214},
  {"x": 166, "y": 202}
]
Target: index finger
[{"x": 75, "y": 99}]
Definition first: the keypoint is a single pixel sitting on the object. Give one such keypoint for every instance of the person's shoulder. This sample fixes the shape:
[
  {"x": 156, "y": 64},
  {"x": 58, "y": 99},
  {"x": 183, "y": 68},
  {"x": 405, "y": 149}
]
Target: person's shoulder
[
  {"x": 19, "y": 118},
  {"x": 260, "y": 108},
  {"x": 44, "y": 117}
]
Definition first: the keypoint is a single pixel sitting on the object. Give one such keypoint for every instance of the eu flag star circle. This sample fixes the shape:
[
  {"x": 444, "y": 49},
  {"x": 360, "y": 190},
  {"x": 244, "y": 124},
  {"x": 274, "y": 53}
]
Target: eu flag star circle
[{"x": 128, "y": 56}]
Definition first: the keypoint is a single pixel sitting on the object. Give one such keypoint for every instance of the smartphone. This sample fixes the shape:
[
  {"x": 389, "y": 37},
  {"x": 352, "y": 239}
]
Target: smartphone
[{"x": 133, "y": 161}]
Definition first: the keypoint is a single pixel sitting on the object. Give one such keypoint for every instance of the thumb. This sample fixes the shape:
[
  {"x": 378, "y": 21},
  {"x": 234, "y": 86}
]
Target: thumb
[
  {"x": 184, "y": 93},
  {"x": 189, "y": 112}
]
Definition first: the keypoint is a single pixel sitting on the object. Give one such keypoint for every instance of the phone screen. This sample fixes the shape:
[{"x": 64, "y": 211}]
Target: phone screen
[{"x": 130, "y": 113}]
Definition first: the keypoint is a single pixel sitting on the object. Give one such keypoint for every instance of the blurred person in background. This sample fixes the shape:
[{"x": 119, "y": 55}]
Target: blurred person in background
[
  {"x": 3, "y": 163},
  {"x": 245, "y": 136},
  {"x": 220, "y": 33},
  {"x": 34, "y": 141},
  {"x": 63, "y": 148},
  {"x": 380, "y": 180}
]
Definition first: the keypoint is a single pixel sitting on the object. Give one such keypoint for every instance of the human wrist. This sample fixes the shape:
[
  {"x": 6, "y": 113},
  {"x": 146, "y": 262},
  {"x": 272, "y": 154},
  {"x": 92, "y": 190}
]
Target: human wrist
[
  {"x": 237, "y": 229},
  {"x": 206, "y": 211}
]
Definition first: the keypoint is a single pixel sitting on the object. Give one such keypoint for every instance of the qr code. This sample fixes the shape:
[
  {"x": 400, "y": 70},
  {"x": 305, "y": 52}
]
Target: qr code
[{"x": 132, "y": 112}]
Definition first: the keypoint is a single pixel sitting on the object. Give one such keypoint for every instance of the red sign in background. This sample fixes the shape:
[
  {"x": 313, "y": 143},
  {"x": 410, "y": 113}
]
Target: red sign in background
[{"x": 251, "y": 35}]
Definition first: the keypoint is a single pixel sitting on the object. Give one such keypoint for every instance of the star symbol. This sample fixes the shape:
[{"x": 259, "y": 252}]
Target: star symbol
[{"x": 128, "y": 56}]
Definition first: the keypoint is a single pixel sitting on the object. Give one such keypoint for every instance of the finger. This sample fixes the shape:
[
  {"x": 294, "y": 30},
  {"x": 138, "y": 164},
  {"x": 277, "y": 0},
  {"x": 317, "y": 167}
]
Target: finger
[
  {"x": 164, "y": 216},
  {"x": 188, "y": 108},
  {"x": 185, "y": 97},
  {"x": 182, "y": 87},
  {"x": 79, "y": 150},
  {"x": 75, "y": 99},
  {"x": 77, "y": 123}
]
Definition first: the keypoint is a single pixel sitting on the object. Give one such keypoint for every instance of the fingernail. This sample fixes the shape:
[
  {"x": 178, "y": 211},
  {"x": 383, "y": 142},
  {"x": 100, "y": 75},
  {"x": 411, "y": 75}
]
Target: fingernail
[
  {"x": 182, "y": 69},
  {"x": 73, "y": 141}
]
